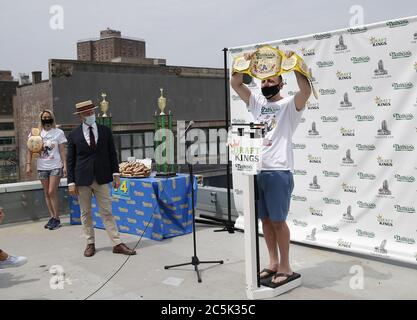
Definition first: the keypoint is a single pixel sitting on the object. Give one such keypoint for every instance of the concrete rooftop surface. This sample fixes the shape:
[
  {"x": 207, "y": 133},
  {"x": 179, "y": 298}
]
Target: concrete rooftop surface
[{"x": 326, "y": 274}]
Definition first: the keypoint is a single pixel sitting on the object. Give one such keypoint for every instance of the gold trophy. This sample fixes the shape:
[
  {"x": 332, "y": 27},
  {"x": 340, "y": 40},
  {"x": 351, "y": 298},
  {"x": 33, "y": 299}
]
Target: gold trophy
[
  {"x": 268, "y": 62},
  {"x": 162, "y": 102},
  {"x": 104, "y": 105}
]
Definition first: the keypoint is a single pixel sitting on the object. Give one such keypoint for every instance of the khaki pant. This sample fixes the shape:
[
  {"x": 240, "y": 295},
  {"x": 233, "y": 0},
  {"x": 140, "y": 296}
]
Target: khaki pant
[{"x": 102, "y": 194}]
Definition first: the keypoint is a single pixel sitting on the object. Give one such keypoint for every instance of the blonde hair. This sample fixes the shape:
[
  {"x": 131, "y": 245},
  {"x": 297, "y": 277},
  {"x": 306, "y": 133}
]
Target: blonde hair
[{"x": 51, "y": 114}]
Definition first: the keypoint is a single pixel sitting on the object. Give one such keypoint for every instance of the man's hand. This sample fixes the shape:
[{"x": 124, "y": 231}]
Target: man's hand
[
  {"x": 116, "y": 182},
  {"x": 1, "y": 215},
  {"x": 73, "y": 190},
  {"x": 28, "y": 170},
  {"x": 64, "y": 171}
]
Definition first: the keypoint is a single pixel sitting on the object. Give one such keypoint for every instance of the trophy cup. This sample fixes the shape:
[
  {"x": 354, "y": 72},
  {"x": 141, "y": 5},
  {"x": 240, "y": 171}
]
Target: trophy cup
[
  {"x": 104, "y": 118},
  {"x": 163, "y": 123},
  {"x": 267, "y": 62}
]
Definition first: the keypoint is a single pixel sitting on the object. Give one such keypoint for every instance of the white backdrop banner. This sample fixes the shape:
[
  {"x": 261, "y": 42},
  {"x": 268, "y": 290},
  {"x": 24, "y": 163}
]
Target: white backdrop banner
[{"x": 355, "y": 149}]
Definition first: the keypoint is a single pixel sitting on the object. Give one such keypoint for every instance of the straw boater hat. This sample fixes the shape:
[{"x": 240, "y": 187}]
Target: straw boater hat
[{"x": 84, "y": 106}]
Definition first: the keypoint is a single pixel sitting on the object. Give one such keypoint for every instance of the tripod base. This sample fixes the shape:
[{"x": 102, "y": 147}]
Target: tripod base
[
  {"x": 195, "y": 262},
  {"x": 229, "y": 226}
]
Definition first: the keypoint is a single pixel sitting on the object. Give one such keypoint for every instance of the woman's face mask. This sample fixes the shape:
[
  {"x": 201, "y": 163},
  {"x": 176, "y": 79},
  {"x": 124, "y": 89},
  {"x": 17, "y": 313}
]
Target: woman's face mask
[{"x": 47, "y": 122}]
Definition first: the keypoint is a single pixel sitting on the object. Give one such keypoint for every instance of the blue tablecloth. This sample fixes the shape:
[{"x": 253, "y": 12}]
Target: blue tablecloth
[{"x": 156, "y": 208}]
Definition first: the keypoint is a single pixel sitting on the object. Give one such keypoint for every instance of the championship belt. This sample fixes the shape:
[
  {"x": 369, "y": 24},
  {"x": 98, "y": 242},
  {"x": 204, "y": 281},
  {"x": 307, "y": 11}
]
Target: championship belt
[
  {"x": 268, "y": 62},
  {"x": 35, "y": 142}
]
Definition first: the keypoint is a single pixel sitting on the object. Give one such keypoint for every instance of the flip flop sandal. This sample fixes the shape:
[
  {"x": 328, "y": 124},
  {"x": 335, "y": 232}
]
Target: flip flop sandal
[
  {"x": 269, "y": 273},
  {"x": 288, "y": 278}
]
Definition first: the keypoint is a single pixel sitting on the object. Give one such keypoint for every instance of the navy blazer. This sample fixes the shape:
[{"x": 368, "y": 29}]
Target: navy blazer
[{"x": 85, "y": 165}]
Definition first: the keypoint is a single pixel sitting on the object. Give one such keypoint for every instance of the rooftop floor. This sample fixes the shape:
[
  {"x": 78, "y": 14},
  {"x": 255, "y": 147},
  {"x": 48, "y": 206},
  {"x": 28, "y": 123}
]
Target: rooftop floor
[{"x": 326, "y": 274}]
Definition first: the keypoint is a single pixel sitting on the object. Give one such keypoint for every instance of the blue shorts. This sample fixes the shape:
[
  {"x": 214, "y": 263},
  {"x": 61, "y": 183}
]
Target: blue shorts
[
  {"x": 274, "y": 192},
  {"x": 44, "y": 174}
]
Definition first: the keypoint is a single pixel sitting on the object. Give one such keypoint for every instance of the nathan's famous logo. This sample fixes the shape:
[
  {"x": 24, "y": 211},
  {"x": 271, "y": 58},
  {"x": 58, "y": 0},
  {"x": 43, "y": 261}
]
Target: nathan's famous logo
[
  {"x": 343, "y": 75},
  {"x": 348, "y": 188},
  {"x": 404, "y": 209},
  {"x": 402, "y": 85},
  {"x": 384, "y": 162},
  {"x": 324, "y": 64},
  {"x": 376, "y": 42},
  {"x": 312, "y": 105},
  {"x": 325, "y": 92},
  {"x": 397, "y": 23},
  {"x": 400, "y": 54},
  {"x": 359, "y": 89},
  {"x": 403, "y": 116},
  {"x": 365, "y": 147},
  {"x": 362, "y": 59},
  {"x": 331, "y": 201},
  {"x": 366, "y": 205},
  {"x": 300, "y": 223},
  {"x": 298, "y": 198},
  {"x": 329, "y": 118},
  {"x": 325, "y": 227},
  {"x": 300, "y": 172},
  {"x": 364, "y": 117},
  {"x": 347, "y": 132},
  {"x": 330, "y": 146},
  {"x": 322, "y": 36},
  {"x": 364, "y": 233},
  {"x": 403, "y": 147},
  {"x": 380, "y": 102},
  {"x": 401, "y": 178},
  {"x": 366, "y": 176},
  {"x": 316, "y": 212},
  {"x": 331, "y": 174},
  {"x": 357, "y": 30},
  {"x": 407, "y": 240},
  {"x": 288, "y": 42},
  {"x": 313, "y": 159},
  {"x": 269, "y": 110},
  {"x": 298, "y": 146},
  {"x": 307, "y": 52},
  {"x": 344, "y": 244},
  {"x": 236, "y": 50},
  {"x": 384, "y": 222}
]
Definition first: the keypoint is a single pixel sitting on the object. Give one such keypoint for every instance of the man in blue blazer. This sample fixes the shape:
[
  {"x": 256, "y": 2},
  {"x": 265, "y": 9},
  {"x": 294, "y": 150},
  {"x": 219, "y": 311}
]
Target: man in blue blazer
[{"x": 92, "y": 165}]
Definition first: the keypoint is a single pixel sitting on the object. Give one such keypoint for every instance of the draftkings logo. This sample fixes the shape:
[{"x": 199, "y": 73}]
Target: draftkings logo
[
  {"x": 331, "y": 201},
  {"x": 360, "y": 89},
  {"x": 300, "y": 223},
  {"x": 407, "y": 240},
  {"x": 330, "y": 146},
  {"x": 366, "y": 205},
  {"x": 325, "y": 227},
  {"x": 299, "y": 146},
  {"x": 331, "y": 174},
  {"x": 300, "y": 172},
  {"x": 343, "y": 75},
  {"x": 384, "y": 222},
  {"x": 298, "y": 198},
  {"x": 403, "y": 147},
  {"x": 366, "y": 176},
  {"x": 312, "y": 105},
  {"x": 307, "y": 52},
  {"x": 364, "y": 233},
  {"x": 401, "y": 178},
  {"x": 365, "y": 117},
  {"x": 400, "y": 54},
  {"x": 315, "y": 212},
  {"x": 326, "y": 92},
  {"x": 365, "y": 147},
  {"x": 402, "y": 85},
  {"x": 325, "y": 64},
  {"x": 403, "y": 116},
  {"x": 344, "y": 244},
  {"x": 362, "y": 59},
  {"x": 398, "y": 23},
  {"x": 384, "y": 162},
  {"x": 404, "y": 209},
  {"x": 345, "y": 132},
  {"x": 376, "y": 42},
  {"x": 381, "y": 102},
  {"x": 313, "y": 159},
  {"x": 348, "y": 188}
]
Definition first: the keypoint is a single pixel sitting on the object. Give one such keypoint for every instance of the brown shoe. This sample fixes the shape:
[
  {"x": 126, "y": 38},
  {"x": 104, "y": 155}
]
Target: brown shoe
[
  {"x": 90, "y": 250},
  {"x": 123, "y": 249}
]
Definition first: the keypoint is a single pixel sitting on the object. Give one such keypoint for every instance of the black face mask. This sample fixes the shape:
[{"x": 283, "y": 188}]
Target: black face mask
[
  {"x": 269, "y": 92},
  {"x": 47, "y": 122}
]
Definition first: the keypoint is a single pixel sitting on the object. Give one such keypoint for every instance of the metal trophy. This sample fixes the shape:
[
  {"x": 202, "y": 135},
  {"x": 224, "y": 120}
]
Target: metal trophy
[
  {"x": 164, "y": 160},
  {"x": 267, "y": 62},
  {"x": 104, "y": 118}
]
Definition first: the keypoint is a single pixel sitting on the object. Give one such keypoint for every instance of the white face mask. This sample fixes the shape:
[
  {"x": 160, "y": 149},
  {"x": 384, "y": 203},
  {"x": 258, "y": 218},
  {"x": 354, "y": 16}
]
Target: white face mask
[{"x": 89, "y": 120}]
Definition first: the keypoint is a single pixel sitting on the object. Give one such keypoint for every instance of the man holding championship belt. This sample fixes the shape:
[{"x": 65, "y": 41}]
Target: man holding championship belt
[{"x": 281, "y": 115}]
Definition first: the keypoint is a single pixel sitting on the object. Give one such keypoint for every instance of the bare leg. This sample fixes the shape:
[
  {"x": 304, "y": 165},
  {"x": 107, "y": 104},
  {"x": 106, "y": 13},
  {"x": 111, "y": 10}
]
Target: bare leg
[
  {"x": 3, "y": 255},
  {"x": 45, "y": 185},
  {"x": 271, "y": 243},
  {"x": 53, "y": 194},
  {"x": 282, "y": 233}
]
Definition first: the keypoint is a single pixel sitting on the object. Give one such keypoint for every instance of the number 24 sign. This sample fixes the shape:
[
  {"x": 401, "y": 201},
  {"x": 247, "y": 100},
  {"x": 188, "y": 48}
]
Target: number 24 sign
[{"x": 124, "y": 189}]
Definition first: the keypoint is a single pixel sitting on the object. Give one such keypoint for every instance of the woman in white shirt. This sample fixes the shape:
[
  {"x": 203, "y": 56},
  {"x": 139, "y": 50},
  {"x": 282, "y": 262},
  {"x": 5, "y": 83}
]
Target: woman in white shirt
[{"x": 51, "y": 164}]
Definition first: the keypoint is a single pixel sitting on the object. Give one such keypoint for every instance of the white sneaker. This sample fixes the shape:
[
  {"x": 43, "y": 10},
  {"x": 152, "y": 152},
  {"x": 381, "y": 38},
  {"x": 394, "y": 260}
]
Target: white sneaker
[{"x": 13, "y": 262}]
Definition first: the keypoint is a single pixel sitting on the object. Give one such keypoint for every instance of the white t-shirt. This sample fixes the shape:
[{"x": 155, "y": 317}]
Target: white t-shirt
[
  {"x": 282, "y": 118},
  {"x": 50, "y": 158}
]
